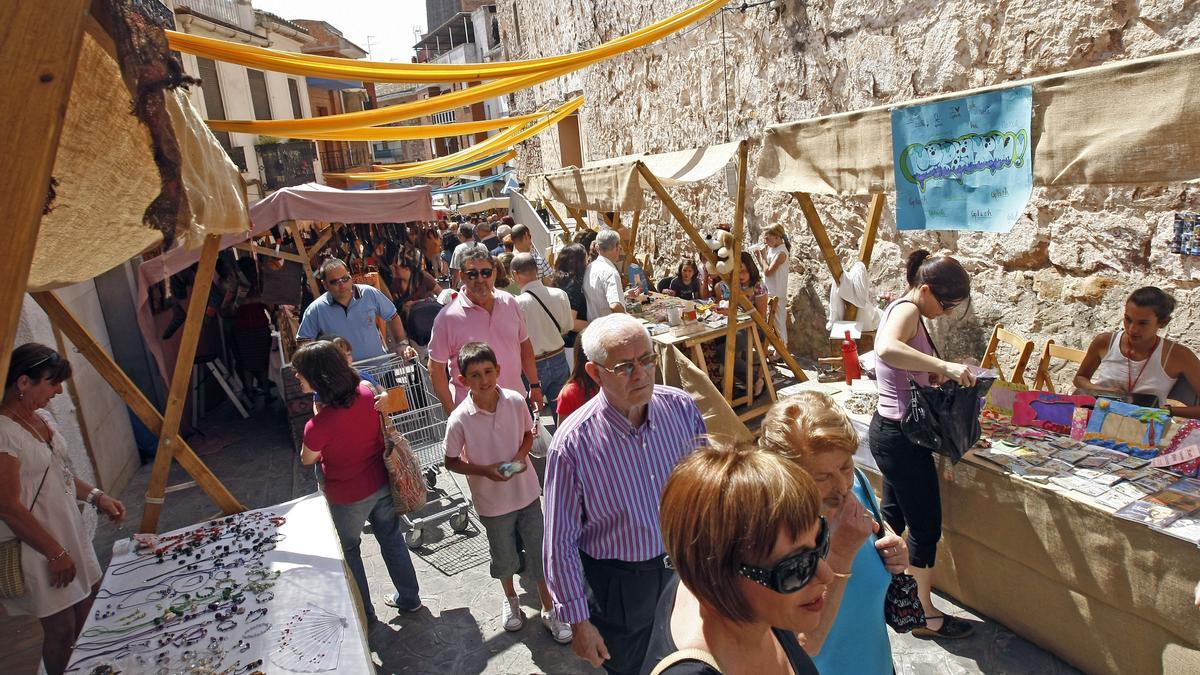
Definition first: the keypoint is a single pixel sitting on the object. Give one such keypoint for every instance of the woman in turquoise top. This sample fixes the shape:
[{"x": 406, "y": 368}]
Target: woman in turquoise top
[{"x": 811, "y": 429}]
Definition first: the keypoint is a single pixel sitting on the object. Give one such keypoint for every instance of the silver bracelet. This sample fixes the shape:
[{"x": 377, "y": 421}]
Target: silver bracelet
[{"x": 60, "y": 554}]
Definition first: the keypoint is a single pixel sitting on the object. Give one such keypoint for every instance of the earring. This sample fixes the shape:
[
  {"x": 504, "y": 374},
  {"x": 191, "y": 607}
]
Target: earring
[{"x": 20, "y": 396}]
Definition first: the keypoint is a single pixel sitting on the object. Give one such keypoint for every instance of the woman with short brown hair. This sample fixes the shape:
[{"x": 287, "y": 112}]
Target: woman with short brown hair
[{"x": 742, "y": 528}]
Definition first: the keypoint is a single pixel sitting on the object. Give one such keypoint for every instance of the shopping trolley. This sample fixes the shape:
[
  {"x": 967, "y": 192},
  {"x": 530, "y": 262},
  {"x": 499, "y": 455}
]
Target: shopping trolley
[{"x": 417, "y": 414}]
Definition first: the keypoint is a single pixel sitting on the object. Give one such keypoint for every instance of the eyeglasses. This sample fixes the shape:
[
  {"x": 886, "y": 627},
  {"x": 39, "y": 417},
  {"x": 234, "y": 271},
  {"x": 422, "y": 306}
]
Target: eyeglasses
[
  {"x": 793, "y": 572},
  {"x": 625, "y": 369},
  {"x": 947, "y": 306},
  {"x": 338, "y": 281},
  {"x": 486, "y": 273}
]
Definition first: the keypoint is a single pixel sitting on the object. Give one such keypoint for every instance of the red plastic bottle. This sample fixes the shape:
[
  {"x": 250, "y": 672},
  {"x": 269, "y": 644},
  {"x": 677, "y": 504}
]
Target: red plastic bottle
[{"x": 850, "y": 359}]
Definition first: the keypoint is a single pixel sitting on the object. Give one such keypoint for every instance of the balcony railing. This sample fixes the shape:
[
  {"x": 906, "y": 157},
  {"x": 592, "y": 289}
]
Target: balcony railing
[
  {"x": 221, "y": 10},
  {"x": 341, "y": 159}
]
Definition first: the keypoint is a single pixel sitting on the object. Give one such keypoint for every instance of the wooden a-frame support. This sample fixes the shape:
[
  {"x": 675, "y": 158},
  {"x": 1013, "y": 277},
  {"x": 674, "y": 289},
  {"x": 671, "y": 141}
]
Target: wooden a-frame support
[
  {"x": 865, "y": 248},
  {"x": 657, "y": 187},
  {"x": 40, "y": 50}
]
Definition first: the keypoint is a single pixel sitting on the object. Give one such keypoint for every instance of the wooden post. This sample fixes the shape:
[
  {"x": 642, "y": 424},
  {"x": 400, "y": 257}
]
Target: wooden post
[
  {"x": 707, "y": 253},
  {"x": 40, "y": 52},
  {"x": 73, "y": 391},
  {"x": 871, "y": 233},
  {"x": 574, "y": 212},
  {"x": 826, "y": 246},
  {"x": 308, "y": 270},
  {"x": 565, "y": 235},
  {"x": 180, "y": 376},
  {"x": 321, "y": 241},
  {"x": 735, "y": 287},
  {"x": 64, "y": 320},
  {"x": 270, "y": 252}
]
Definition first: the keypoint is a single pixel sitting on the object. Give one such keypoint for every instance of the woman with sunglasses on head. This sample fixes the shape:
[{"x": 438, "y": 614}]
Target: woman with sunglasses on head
[
  {"x": 751, "y": 565},
  {"x": 812, "y": 431},
  {"x": 39, "y": 497},
  {"x": 911, "y": 497}
]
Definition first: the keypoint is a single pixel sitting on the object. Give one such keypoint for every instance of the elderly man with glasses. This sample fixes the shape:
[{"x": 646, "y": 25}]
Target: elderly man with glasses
[
  {"x": 479, "y": 314},
  {"x": 605, "y": 471},
  {"x": 349, "y": 310}
]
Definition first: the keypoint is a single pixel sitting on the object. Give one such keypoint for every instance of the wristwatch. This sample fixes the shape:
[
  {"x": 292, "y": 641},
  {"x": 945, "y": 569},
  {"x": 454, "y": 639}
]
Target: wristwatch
[
  {"x": 94, "y": 495},
  {"x": 535, "y": 385}
]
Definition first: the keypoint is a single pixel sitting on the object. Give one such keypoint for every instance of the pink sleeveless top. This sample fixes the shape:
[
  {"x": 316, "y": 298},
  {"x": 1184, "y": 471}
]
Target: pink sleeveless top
[{"x": 893, "y": 382}]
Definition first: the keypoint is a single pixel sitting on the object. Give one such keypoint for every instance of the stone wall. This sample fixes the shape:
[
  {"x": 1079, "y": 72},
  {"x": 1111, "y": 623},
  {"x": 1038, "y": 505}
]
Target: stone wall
[{"x": 1064, "y": 269}]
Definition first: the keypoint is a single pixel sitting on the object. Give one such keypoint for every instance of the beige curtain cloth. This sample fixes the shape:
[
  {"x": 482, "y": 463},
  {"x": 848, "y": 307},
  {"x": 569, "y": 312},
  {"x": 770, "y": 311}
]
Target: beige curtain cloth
[
  {"x": 1127, "y": 123},
  {"x": 677, "y": 370},
  {"x": 107, "y": 177},
  {"x": 616, "y": 185}
]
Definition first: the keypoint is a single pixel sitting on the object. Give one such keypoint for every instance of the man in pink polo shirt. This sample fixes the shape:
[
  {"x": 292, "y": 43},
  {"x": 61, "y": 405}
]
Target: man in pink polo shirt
[{"x": 479, "y": 314}]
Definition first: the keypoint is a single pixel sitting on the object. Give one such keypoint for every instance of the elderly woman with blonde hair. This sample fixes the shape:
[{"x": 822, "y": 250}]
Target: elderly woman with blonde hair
[{"x": 812, "y": 431}]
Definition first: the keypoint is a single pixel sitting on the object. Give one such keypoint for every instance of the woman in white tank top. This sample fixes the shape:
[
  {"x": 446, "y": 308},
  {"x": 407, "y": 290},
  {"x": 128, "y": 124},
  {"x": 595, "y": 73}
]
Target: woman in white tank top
[{"x": 1135, "y": 360}]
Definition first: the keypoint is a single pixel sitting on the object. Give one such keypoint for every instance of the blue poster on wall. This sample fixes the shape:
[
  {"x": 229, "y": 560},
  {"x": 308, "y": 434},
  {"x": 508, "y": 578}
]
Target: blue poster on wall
[{"x": 964, "y": 163}]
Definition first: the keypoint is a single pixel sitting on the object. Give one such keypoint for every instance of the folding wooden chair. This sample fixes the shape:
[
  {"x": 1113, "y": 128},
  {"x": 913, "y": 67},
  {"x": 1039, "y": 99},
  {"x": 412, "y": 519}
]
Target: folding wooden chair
[
  {"x": 1022, "y": 346},
  {"x": 1042, "y": 381}
]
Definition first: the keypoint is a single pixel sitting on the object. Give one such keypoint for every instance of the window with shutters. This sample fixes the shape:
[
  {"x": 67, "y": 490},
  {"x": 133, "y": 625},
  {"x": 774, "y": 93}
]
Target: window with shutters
[
  {"x": 294, "y": 91},
  {"x": 258, "y": 94},
  {"x": 214, "y": 105}
]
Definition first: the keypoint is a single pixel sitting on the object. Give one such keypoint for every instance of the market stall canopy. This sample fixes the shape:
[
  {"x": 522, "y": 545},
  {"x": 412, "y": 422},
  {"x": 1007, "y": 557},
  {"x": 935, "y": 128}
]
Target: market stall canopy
[
  {"x": 616, "y": 184},
  {"x": 314, "y": 201},
  {"x": 483, "y": 205},
  {"x": 96, "y": 216},
  {"x": 1127, "y": 123}
]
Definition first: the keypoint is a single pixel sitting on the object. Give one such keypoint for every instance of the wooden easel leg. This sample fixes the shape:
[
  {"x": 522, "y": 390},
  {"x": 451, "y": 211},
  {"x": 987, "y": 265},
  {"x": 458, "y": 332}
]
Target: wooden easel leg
[
  {"x": 871, "y": 232},
  {"x": 762, "y": 362},
  {"x": 40, "y": 53},
  {"x": 735, "y": 287},
  {"x": 180, "y": 377},
  {"x": 822, "y": 236},
  {"x": 566, "y": 233},
  {"x": 64, "y": 320}
]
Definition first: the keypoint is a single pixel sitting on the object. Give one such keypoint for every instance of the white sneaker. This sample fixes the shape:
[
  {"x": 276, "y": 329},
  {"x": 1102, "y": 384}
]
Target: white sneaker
[
  {"x": 511, "y": 615},
  {"x": 559, "y": 630}
]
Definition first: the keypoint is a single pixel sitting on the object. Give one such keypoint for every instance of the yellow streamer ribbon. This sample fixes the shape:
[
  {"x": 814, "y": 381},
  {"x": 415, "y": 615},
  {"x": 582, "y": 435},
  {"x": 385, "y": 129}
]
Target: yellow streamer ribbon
[
  {"x": 463, "y": 97},
  {"x": 376, "y": 71},
  {"x": 476, "y": 168},
  {"x": 421, "y": 131},
  {"x": 500, "y": 141}
]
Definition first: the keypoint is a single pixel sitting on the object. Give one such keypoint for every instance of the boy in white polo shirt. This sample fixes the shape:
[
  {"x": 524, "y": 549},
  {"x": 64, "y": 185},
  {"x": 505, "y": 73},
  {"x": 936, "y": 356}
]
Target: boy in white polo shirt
[{"x": 488, "y": 439}]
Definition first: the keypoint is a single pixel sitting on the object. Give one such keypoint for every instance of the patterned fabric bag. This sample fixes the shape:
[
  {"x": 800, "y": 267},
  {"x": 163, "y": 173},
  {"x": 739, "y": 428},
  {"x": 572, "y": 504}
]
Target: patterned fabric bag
[
  {"x": 902, "y": 608},
  {"x": 12, "y": 575},
  {"x": 404, "y": 473}
]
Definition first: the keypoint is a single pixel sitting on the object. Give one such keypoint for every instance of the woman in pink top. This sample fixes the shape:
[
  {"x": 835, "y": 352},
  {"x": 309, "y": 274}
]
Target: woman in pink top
[{"x": 911, "y": 497}]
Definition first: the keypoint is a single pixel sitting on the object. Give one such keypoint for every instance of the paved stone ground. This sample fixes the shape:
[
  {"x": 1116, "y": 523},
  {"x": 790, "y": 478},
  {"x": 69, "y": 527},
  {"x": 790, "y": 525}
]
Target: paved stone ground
[{"x": 458, "y": 631}]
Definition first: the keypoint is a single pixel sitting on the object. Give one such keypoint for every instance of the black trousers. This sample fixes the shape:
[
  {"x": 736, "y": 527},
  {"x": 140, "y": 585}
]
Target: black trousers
[
  {"x": 622, "y": 598},
  {"x": 911, "y": 494}
]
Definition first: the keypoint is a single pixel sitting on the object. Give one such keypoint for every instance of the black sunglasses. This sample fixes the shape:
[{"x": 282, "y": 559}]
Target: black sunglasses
[
  {"x": 486, "y": 273},
  {"x": 793, "y": 572},
  {"x": 338, "y": 281}
]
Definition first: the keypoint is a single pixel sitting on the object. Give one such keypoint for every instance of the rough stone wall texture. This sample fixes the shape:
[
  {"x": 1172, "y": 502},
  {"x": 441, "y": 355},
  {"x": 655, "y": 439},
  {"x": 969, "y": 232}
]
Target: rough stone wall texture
[{"x": 1062, "y": 272}]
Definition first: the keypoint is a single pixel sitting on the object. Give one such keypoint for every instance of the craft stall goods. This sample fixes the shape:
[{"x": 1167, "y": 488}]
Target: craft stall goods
[{"x": 208, "y": 599}]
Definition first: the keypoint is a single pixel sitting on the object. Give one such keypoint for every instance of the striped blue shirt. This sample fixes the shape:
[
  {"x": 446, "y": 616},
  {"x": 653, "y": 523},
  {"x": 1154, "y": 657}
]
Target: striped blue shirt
[{"x": 599, "y": 465}]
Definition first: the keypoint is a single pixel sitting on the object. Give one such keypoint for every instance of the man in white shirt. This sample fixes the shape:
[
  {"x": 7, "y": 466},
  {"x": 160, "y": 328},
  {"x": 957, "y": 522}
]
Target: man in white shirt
[
  {"x": 548, "y": 316},
  {"x": 602, "y": 285}
]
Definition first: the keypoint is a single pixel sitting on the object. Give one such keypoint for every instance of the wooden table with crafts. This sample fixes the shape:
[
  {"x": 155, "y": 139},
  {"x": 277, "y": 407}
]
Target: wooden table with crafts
[
  {"x": 263, "y": 591},
  {"x": 1088, "y": 552},
  {"x": 690, "y": 337}
]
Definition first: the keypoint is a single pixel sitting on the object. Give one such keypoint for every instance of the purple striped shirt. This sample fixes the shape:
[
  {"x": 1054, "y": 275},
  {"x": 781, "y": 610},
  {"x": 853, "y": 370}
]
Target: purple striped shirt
[{"x": 604, "y": 481}]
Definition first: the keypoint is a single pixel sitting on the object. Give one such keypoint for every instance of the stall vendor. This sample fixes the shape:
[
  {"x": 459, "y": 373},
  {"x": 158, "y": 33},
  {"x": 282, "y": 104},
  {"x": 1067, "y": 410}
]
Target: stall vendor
[{"x": 1135, "y": 360}]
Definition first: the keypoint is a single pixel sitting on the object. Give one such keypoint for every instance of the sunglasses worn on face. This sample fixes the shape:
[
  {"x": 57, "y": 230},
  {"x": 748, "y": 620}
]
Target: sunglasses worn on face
[
  {"x": 475, "y": 274},
  {"x": 338, "y": 281},
  {"x": 626, "y": 369},
  {"x": 793, "y": 572}
]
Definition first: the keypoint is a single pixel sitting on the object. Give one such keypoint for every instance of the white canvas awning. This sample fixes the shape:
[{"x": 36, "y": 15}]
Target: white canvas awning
[
  {"x": 483, "y": 205},
  {"x": 615, "y": 184},
  {"x": 1127, "y": 123}
]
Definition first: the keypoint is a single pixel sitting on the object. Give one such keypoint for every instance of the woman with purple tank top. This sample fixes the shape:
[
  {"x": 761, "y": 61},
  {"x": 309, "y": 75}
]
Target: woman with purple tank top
[{"x": 911, "y": 497}]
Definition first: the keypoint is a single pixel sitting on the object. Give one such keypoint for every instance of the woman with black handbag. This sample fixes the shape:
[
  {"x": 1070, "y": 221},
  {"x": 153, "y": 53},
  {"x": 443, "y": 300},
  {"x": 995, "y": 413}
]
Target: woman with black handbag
[{"x": 906, "y": 354}]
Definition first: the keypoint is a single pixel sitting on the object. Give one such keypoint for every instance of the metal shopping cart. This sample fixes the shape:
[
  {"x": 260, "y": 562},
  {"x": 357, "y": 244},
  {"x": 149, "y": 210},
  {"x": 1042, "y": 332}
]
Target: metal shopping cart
[{"x": 417, "y": 414}]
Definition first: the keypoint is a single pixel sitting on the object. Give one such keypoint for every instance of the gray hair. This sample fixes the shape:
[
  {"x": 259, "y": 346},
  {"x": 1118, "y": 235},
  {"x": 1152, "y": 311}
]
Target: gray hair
[
  {"x": 609, "y": 332},
  {"x": 466, "y": 230},
  {"x": 477, "y": 251},
  {"x": 607, "y": 240},
  {"x": 523, "y": 263},
  {"x": 329, "y": 265}
]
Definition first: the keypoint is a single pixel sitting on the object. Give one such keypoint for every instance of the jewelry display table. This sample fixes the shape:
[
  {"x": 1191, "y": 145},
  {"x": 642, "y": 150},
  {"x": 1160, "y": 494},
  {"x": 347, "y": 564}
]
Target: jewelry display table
[{"x": 264, "y": 591}]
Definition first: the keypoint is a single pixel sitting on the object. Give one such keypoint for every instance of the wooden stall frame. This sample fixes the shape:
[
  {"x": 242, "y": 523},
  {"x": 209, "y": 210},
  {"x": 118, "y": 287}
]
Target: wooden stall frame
[
  {"x": 41, "y": 52},
  {"x": 821, "y": 234}
]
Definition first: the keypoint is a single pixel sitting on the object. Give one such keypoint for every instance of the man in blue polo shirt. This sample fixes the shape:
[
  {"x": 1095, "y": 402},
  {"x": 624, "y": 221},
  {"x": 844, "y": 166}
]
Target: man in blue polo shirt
[{"x": 349, "y": 310}]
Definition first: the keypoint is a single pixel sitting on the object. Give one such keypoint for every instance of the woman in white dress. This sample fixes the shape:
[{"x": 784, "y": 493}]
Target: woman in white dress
[
  {"x": 38, "y": 505},
  {"x": 773, "y": 258}
]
